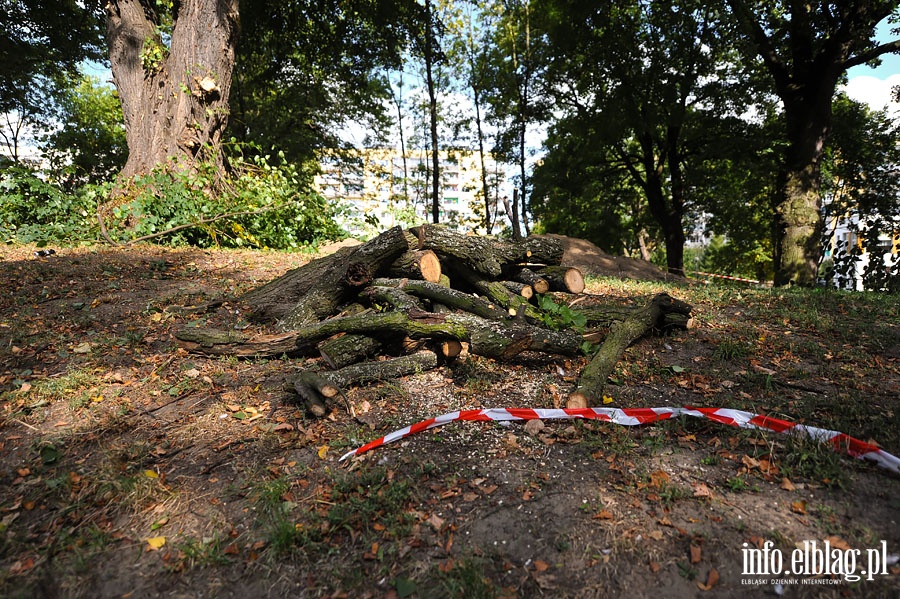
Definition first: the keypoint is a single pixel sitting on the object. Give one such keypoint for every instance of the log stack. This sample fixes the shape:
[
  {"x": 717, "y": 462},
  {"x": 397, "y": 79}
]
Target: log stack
[{"x": 415, "y": 297}]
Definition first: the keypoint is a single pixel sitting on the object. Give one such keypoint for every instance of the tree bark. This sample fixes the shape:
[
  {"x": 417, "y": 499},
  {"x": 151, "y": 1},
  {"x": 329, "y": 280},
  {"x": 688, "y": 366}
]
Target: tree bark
[
  {"x": 417, "y": 264},
  {"x": 589, "y": 390},
  {"x": 345, "y": 350},
  {"x": 529, "y": 277},
  {"x": 562, "y": 278},
  {"x": 488, "y": 338},
  {"x": 175, "y": 102},
  {"x": 315, "y": 290},
  {"x": 485, "y": 255}
]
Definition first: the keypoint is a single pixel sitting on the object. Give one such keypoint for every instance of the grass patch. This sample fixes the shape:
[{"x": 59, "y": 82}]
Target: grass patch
[{"x": 465, "y": 577}]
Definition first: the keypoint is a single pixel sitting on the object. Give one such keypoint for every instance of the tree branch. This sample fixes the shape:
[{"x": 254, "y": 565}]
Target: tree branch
[
  {"x": 872, "y": 54},
  {"x": 202, "y": 221}
]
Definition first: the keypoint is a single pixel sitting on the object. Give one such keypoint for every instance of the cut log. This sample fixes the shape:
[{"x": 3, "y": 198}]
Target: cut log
[
  {"x": 394, "y": 297},
  {"x": 450, "y": 349},
  {"x": 489, "y": 338},
  {"x": 484, "y": 255},
  {"x": 314, "y": 291},
  {"x": 519, "y": 289},
  {"x": 561, "y": 278},
  {"x": 330, "y": 384},
  {"x": 521, "y": 274},
  {"x": 589, "y": 390},
  {"x": 344, "y": 350},
  {"x": 447, "y": 296},
  {"x": 543, "y": 250},
  {"x": 232, "y": 343},
  {"x": 311, "y": 396},
  {"x": 417, "y": 264},
  {"x": 496, "y": 292}
]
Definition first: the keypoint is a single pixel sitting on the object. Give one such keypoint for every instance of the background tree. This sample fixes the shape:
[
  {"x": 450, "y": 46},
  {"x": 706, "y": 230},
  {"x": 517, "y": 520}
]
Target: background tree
[
  {"x": 806, "y": 48},
  {"x": 637, "y": 79},
  {"x": 734, "y": 181},
  {"x": 515, "y": 104},
  {"x": 172, "y": 64},
  {"x": 427, "y": 46},
  {"x": 40, "y": 44},
  {"x": 470, "y": 28},
  {"x": 861, "y": 190},
  {"x": 304, "y": 70},
  {"x": 89, "y": 145}
]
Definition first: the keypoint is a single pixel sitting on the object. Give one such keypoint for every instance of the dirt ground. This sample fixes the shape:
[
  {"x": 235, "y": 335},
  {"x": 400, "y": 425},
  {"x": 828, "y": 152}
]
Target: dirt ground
[{"x": 133, "y": 469}]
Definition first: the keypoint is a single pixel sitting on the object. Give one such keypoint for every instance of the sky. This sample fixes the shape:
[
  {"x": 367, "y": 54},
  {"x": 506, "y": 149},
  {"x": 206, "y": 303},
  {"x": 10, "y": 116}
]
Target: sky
[{"x": 873, "y": 85}]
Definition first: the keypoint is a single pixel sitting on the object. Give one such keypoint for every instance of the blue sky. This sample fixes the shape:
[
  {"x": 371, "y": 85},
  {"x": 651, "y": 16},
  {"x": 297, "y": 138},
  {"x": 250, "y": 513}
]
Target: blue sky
[{"x": 873, "y": 85}]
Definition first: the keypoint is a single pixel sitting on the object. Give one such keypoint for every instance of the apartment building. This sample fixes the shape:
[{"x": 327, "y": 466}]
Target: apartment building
[{"x": 379, "y": 189}]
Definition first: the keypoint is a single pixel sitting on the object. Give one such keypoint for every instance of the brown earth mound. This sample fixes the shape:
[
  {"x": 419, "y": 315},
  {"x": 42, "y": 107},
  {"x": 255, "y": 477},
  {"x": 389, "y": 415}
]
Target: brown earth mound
[{"x": 590, "y": 259}]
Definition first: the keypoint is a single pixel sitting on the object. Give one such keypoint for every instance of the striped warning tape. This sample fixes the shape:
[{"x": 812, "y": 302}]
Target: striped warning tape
[
  {"x": 728, "y": 277},
  {"x": 635, "y": 416}
]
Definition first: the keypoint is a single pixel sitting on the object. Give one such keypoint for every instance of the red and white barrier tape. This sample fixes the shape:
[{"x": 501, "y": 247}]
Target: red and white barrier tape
[
  {"x": 728, "y": 277},
  {"x": 635, "y": 416}
]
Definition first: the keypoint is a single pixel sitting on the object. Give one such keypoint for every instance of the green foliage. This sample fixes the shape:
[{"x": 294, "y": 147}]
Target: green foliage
[
  {"x": 560, "y": 316},
  {"x": 90, "y": 146},
  {"x": 44, "y": 40},
  {"x": 749, "y": 258},
  {"x": 33, "y": 210},
  {"x": 861, "y": 182},
  {"x": 153, "y": 54},
  {"x": 304, "y": 68},
  {"x": 260, "y": 205}
]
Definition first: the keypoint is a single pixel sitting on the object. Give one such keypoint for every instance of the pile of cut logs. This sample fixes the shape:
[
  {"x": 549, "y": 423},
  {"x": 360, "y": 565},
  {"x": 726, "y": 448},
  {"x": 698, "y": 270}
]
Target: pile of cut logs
[{"x": 408, "y": 300}]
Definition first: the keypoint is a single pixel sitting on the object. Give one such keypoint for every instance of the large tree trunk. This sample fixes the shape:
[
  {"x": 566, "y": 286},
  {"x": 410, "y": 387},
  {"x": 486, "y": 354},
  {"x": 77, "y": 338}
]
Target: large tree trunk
[
  {"x": 798, "y": 214},
  {"x": 175, "y": 101}
]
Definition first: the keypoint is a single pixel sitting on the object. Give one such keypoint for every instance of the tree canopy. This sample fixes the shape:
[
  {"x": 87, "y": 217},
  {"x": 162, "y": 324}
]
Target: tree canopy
[{"x": 663, "y": 119}]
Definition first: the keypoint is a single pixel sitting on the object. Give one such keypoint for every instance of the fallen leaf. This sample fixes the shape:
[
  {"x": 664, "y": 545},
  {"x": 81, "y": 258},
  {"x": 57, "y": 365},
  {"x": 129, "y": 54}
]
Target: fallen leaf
[
  {"x": 711, "y": 580},
  {"x": 695, "y": 553},
  {"x": 749, "y": 462},
  {"x": 787, "y": 485},
  {"x": 155, "y": 543},
  {"x": 603, "y": 515},
  {"x": 533, "y": 427},
  {"x": 82, "y": 348},
  {"x": 151, "y": 474},
  {"x": 322, "y": 451},
  {"x": 799, "y": 506},
  {"x": 838, "y": 543},
  {"x": 21, "y": 566},
  {"x": 435, "y": 521},
  {"x": 607, "y": 399},
  {"x": 654, "y": 567},
  {"x": 757, "y": 542},
  {"x": 701, "y": 490},
  {"x": 541, "y": 565},
  {"x": 659, "y": 479}
]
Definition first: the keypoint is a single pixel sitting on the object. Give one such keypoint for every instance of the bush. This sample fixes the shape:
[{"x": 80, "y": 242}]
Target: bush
[
  {"x": 259, "y": 205},
  {"x": 256, "y": 205},
  {"x": 35, "y": 211}
]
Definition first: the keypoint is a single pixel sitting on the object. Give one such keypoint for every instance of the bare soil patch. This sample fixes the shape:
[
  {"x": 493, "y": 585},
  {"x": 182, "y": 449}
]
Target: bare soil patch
[{"x": 132, "y": 468}]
